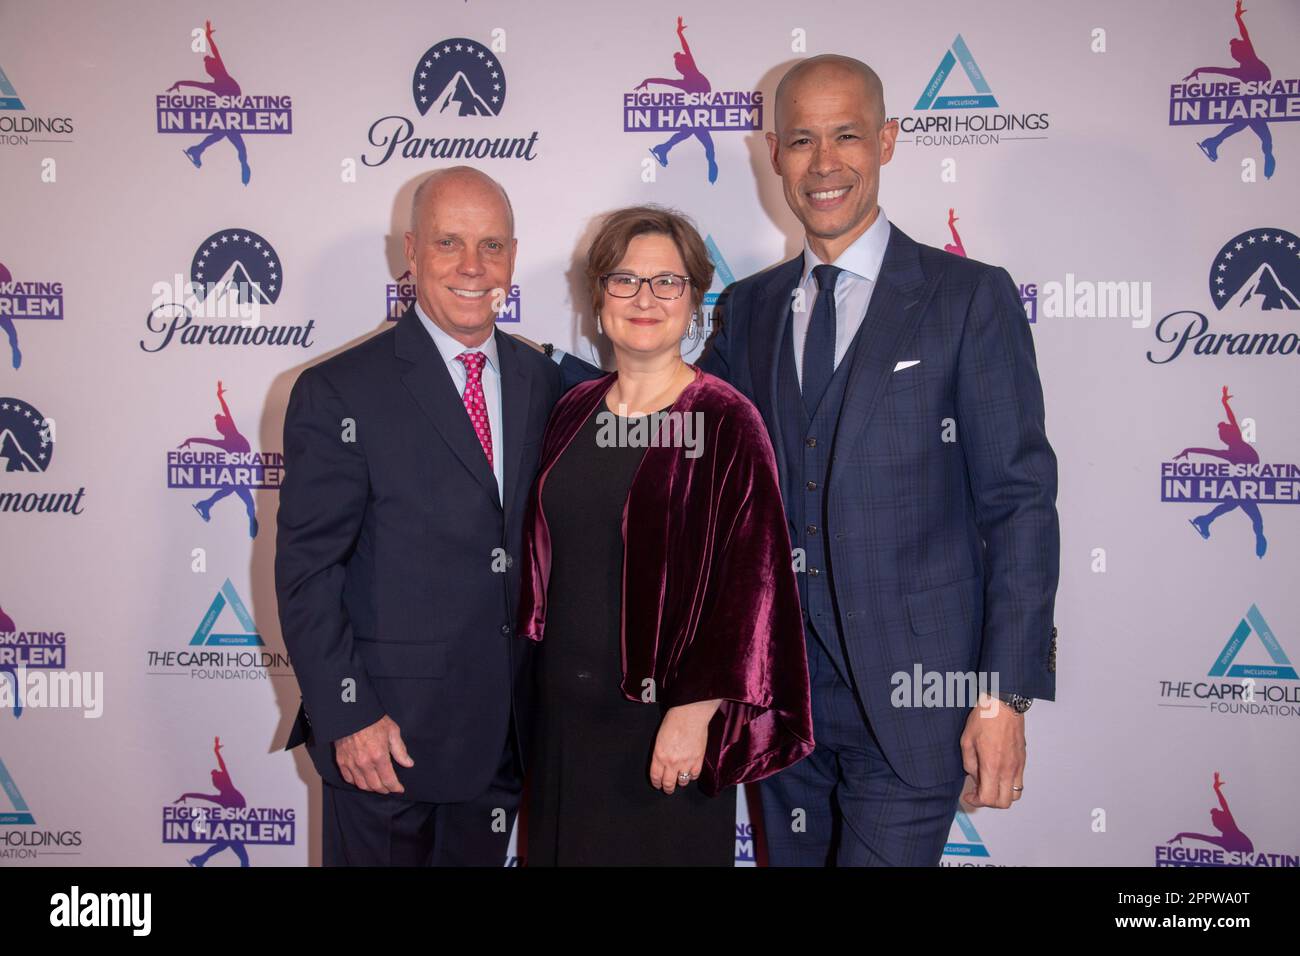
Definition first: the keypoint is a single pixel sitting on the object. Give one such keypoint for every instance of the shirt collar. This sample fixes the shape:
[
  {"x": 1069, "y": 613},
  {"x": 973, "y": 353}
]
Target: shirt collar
[
  {"x": 863, "y": 258},
  {"x": 449, "y": 348}
]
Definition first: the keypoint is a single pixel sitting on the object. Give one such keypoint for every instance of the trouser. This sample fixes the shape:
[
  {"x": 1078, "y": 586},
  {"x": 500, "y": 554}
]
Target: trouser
[
  {"x": 843, "y": 804},
  {"x": 362, "y": 828}
]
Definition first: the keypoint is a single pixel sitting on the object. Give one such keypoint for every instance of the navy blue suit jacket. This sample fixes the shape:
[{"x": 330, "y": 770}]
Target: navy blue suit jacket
[
  {"x": 942, "y": 553},
  {"x": 394, "y": 566}
]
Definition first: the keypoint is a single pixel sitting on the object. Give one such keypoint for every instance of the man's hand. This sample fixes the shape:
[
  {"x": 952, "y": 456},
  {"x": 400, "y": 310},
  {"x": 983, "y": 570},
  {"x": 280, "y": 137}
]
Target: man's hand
[
  {"x": 363, "y": 757},
  {"x": 993, "y": 753},
  {"x": 680, "y": 744}
]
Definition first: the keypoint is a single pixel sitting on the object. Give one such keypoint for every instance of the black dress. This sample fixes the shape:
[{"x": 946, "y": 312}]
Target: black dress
[{"x": 592, "y": 802}]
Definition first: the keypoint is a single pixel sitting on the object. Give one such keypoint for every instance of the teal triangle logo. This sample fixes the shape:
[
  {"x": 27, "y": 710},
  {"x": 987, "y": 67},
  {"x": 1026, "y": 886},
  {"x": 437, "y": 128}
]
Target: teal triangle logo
[
  {"x": 982, "y": 98},
  {"x": 724, "y": 273},
  {"x": 1253, "y": 622},
  {"x": 971, "y": 844},
  {"x": 227, "y": 597},
  {"x": 21, "y": 814},
  {"x": 8, "y": 95}
]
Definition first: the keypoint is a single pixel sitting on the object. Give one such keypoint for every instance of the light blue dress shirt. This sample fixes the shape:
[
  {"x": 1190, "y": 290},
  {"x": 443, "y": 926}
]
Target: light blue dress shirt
[
  {"x": 449, "y": 348},
  {"x": 853, "y": 287}
]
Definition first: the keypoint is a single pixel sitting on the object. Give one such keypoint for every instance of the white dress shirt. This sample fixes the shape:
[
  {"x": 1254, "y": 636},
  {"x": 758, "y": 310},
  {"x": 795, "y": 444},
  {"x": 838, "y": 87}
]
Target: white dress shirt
[
  {"x": 449, "y": 348},
  {"x": 853, "y": 288}
]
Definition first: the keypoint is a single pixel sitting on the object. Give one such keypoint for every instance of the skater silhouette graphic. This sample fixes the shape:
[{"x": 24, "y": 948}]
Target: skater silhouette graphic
[
  {"x": 1250, "y": 67},
  {"x": 223, "y": 84},
  {"x": 226, "y": 796},
  {"x": 691, "y": 81},
  {"x": 955, "y": 247},
  {"x": 1237, "y": 452},
  {"x": 1230, "y": 836},
  {"x": 7, "y": 627},
  {"x": 230, "y": 441},
  {"x": 7, "y": 324}
]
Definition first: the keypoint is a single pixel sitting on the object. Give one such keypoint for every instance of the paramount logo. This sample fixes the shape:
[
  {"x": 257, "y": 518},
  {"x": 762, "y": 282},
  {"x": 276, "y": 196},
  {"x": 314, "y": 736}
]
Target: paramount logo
[{"x": 1264, "y": 290}]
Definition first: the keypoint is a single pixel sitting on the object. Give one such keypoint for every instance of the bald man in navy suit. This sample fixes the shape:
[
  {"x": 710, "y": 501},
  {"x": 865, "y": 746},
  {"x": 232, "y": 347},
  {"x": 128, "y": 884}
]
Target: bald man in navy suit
[{"x": 408, "y": 461}]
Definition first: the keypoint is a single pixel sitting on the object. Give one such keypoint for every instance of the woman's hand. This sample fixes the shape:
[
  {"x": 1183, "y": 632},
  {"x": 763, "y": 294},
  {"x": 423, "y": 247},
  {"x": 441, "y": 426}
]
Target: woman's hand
[{"x": 679, "y": 746}]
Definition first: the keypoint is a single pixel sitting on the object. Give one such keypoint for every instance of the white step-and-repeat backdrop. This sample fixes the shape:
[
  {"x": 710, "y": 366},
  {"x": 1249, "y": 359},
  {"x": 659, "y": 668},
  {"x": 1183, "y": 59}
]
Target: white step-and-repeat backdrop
[{"x": 1134, "y": 166}]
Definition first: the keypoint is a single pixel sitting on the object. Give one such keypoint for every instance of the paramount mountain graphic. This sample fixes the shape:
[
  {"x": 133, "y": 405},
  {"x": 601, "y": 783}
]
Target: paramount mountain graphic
[
  {"x": 1263, "y": 290},
  {"x": 238, "y": 284},
  {"x": 460, "y": 91},
  {"x": 12, "y": 456}
]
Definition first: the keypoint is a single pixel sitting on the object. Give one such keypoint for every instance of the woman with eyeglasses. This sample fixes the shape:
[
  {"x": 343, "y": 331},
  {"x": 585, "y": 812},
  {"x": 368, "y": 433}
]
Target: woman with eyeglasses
[{"x": 657, "y": 576}]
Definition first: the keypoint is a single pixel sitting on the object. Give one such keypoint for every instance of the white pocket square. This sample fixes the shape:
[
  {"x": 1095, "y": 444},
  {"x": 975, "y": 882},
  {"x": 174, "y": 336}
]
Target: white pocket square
[{"x": 902, "y": 365}]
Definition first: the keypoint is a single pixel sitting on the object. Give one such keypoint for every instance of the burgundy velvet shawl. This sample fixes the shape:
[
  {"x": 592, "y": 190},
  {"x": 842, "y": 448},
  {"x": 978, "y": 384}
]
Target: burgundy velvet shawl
[{"x": 710, "y": 601}]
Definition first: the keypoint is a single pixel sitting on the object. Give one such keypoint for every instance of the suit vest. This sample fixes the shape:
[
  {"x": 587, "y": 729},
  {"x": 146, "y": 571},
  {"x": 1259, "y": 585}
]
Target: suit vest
[{"x": 808, "y": 448}]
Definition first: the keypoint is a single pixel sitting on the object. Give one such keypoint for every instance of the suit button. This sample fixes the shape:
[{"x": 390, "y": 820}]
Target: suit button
[
  {"x": 812, "y": 529},
  {"x": 810, "y": 442},
  {"x": 505, "y": 628},
  {"x": 811, "y": 486},
  {"x": 814, "y": 572}
]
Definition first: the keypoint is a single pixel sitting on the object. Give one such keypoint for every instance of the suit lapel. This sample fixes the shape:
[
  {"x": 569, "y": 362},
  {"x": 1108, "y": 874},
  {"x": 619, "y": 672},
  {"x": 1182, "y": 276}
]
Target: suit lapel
[
  {"x": 896, "y": 306},
  {"x": 766, "y": 335},
  {"x": 515, "y": 399},
  {"x": 430, "y": 384}
]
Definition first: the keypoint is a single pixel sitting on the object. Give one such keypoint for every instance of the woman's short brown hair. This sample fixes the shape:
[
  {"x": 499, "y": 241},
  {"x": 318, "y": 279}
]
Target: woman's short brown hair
[{"x": 623, "y": 225}]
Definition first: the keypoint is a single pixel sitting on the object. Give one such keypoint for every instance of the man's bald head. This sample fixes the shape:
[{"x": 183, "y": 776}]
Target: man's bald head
[
  {"x": 831, "y": 139},
  {"x": 454, "y": 177},
  {"x": 806, "y": 74},
  {"x": 461, "y": 251}
]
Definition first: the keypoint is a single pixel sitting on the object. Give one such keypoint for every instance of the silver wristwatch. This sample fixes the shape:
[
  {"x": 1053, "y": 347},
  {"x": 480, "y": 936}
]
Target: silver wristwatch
[{"x": 1016, "y": 702}]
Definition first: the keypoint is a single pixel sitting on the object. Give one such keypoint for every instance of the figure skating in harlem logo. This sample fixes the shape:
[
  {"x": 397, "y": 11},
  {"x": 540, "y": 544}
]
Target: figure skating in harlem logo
[
  {"x": 26, "y": 300},
  {"x": 27, "y": 656},
  {"x": 229, "y": 824},
  {"x": 222, "y": 110},
  {"x": 1250, "y": 101},
  {"x": 1238, "y": 481},
  {"x": 1229, "y": 846},
  {"x": 26, "y": 442},
  {"x": 234, "y": 468},
  {"x": 1230, "y": 836},
  {"x": 696, "y": 110}
]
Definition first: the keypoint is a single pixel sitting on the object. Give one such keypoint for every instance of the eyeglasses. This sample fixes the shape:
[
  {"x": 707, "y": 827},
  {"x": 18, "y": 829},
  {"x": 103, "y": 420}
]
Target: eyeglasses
[{"x": 625, "y": 285}]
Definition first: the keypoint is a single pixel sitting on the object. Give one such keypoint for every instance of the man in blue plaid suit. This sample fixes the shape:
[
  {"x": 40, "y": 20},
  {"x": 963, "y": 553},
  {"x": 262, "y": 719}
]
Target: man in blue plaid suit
[{"x": 899, "y": 387}]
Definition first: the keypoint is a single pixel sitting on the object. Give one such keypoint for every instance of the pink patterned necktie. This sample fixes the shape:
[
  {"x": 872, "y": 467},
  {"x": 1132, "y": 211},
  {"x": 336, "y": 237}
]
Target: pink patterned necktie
[{"x": 475, "y": 403}]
